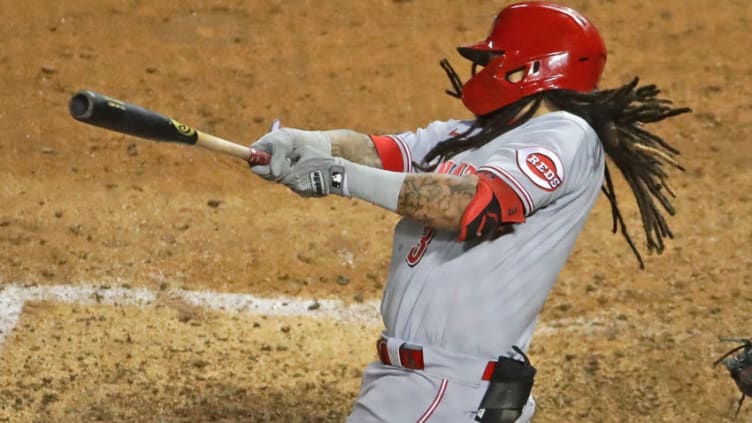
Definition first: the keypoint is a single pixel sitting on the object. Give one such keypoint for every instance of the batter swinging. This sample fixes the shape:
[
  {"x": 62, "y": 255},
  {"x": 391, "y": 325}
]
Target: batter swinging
[{"x": 491, "y": 210}]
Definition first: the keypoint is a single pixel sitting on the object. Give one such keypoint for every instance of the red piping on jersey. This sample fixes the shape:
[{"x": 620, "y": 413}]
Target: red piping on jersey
[
  {"x": 406, "y": 153},
  {"x": 389, "y": 152},
  {"x": 435, "y": 404}
]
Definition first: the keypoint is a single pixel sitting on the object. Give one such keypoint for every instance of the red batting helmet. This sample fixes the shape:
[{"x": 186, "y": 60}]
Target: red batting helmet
[{"x": 548, "y": 45}]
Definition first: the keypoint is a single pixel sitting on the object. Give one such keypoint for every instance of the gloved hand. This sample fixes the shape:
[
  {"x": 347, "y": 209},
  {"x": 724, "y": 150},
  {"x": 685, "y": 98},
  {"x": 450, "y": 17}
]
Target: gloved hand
[
  {"x": 317, "y": 174},
  {"x": 284, "y": 146}
]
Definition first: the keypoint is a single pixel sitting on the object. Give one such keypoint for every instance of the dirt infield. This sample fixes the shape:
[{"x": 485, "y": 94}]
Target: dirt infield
[{"x": 83, "y": 206}]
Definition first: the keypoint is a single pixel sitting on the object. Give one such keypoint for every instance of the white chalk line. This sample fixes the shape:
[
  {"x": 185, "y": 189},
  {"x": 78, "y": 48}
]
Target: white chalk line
[{"x": 14, "y": 296}]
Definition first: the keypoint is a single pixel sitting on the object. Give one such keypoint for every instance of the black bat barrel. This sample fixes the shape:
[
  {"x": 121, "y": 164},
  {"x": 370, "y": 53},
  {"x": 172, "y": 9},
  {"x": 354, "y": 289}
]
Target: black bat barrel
[{"x": 99, "y": 110}]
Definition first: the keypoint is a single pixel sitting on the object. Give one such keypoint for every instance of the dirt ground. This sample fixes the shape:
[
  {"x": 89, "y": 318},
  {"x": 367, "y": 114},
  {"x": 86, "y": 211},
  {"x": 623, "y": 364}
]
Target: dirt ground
[{"x": 81, "y": 205}]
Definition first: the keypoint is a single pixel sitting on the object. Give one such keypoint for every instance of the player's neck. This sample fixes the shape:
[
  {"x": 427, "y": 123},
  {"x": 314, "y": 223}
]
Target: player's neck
[{"x": 544, "y": 108}]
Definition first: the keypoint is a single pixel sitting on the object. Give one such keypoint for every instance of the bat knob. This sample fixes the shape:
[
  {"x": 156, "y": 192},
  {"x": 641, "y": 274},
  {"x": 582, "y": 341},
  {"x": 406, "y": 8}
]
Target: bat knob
[{"x": 258, "y": 158}]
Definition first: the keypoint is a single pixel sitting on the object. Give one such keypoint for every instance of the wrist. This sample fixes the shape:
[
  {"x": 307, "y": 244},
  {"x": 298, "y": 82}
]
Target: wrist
[
  {"x": 316, "y": 139},
  {"x": 377, "y": 186},
  {"x": 322, "y": 140}
]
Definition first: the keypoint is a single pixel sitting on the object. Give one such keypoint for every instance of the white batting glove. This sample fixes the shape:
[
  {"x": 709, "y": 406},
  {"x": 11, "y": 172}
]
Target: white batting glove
[
  {"x": 284, "y": 146},
  {"x": 317, "y": 175}
]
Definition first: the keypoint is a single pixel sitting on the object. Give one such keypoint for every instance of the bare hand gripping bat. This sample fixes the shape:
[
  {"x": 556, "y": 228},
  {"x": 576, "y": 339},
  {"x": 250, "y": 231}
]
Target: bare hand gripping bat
[{"x": 109, "y": 113}]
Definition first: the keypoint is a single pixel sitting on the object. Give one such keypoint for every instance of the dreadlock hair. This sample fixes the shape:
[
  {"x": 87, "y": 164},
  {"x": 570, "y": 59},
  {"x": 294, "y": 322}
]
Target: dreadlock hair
[{"x": 617, "y": 116}]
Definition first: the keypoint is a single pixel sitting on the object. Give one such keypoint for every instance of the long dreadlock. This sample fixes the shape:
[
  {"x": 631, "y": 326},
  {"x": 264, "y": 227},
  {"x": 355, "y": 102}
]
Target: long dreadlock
[{"x": 617, "y": 116}]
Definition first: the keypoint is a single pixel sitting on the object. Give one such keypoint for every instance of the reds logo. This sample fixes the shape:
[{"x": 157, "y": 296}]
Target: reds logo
[{"x": 541, "y": 166}]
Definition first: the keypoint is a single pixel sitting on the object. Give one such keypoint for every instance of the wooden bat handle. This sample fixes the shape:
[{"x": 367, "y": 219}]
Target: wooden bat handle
[{"x": 214, "y": 143}]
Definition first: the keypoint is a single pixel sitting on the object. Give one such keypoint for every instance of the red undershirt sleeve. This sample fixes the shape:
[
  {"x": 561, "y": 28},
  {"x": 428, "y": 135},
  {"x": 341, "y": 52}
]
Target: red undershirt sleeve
[{"x": 389, "y": 153}]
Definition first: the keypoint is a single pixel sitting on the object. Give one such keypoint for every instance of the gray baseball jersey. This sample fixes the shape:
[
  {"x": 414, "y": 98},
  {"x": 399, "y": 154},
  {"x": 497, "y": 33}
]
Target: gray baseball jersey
[{"x": 479, "y": 301}]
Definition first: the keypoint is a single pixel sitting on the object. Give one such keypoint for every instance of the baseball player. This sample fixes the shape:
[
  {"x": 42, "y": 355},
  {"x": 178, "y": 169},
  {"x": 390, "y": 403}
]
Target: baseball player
[{"x": 491, "y": 208}]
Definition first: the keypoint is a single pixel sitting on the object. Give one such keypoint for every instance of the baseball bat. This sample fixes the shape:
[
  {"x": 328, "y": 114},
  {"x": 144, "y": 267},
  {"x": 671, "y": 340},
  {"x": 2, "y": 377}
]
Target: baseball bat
[{"x": 105, "y": 112}]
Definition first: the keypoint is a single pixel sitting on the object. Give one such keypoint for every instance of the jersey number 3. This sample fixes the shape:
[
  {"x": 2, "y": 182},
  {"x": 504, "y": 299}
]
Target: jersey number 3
[{"x": 416, "y": 253}]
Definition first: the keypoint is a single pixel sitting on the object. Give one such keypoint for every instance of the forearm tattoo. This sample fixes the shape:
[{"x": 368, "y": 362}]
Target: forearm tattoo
[
  {"x": 438, "y": 200},
  {"x": 355, "y": 147}
]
